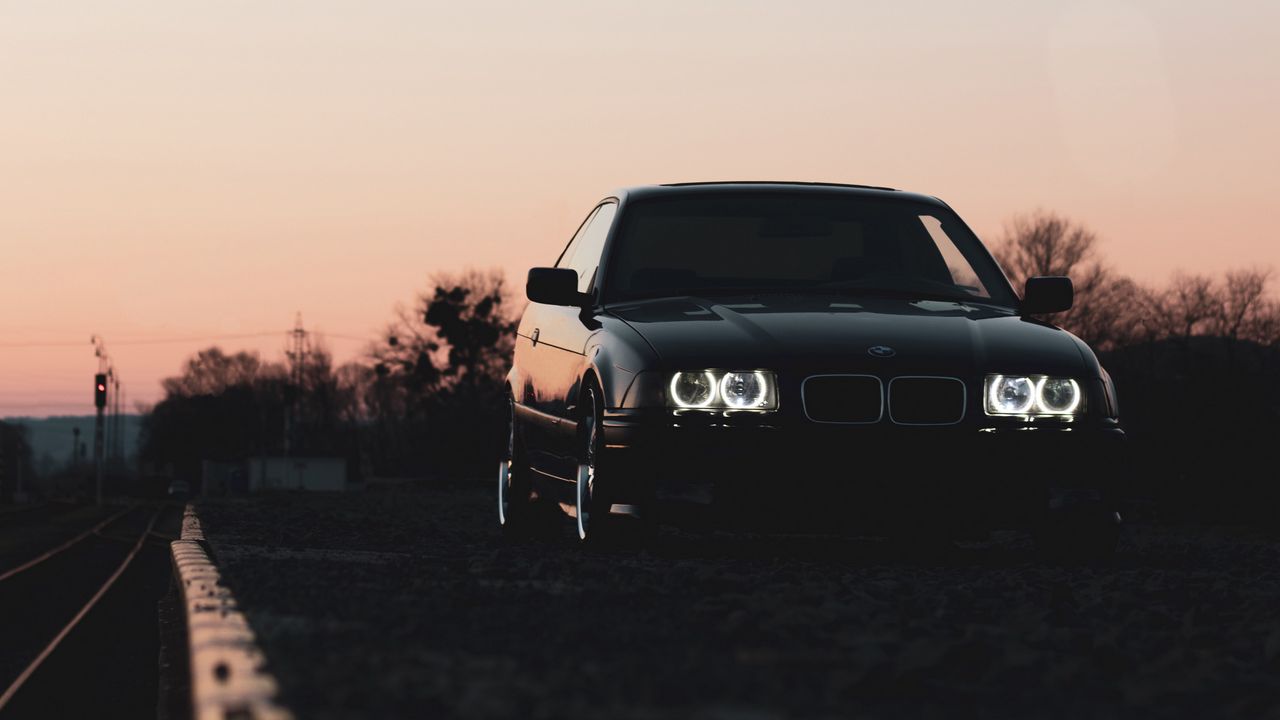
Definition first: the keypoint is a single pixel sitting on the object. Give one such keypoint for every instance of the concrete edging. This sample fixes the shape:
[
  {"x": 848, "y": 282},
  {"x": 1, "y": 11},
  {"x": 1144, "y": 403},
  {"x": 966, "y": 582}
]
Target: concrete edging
[{"x": 228, "y": 675}]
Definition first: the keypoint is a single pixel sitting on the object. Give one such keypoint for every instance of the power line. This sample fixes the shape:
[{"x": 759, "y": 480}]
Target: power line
[
  {"x": 180, "y": 340},
  {"x": 147, "y": 341},
  {"x": 41, "y": 404},
  {"x": 42, "y": 344}
]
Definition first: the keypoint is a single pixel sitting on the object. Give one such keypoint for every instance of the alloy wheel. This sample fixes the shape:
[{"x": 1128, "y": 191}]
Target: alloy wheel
[
  {"x": 587, "y": 473},
  {"x": 504, "y": 467}
]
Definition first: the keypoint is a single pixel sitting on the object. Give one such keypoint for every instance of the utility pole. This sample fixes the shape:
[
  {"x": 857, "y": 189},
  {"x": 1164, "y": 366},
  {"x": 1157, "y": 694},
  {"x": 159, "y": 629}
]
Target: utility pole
[
  {"x": 116, "y": 425},
  {"x": 299, "y": 348},
  {"x": 121, "y": 418},
  {"x": 18, "y": 495},
  {"x": 100, "y": 403},
  {"x": 109, "y": 433}
]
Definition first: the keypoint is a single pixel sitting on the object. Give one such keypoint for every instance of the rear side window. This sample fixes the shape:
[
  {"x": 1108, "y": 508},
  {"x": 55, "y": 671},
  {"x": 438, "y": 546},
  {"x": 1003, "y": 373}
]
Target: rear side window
[{"x": 583, "y": 253}]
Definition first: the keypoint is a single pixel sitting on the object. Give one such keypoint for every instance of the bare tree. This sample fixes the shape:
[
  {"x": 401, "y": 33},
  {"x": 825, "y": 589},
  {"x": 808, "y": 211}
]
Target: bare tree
[
  {"x": 1110, "y": 309},
  {"x": 212, "y": 371},
  {"x": 1190, "y": 304},
  {"x": 1265, "y": 326},
  {"x": 1243, "y": 302},
  {"x": 354, "y": 382},
  {"x": 1044, "y": 243}
]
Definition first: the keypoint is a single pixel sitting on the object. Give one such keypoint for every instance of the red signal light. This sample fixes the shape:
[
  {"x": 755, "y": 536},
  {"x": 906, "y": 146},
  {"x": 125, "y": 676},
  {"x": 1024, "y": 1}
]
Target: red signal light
[{"x": 100, "y": 390}]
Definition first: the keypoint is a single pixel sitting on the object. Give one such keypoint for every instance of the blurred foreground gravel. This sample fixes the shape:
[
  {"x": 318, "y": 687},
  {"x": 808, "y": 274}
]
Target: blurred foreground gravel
[{"x": 409, "y": 604}]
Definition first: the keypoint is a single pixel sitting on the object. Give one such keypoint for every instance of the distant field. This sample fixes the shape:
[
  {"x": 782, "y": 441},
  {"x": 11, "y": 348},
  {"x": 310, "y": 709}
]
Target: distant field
[{"x": 407, "y": 603}]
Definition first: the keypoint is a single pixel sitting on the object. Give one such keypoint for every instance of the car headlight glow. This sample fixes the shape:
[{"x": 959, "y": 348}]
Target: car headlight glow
[
  {"x": 1033, "y": 396},
  {"x": 1057, "y": 396},
  {"x": 742, "y": 390},
  {"x": 693, "y": 389},
  {"x": 1010, "y": 395},
  {"x": 749, "y": 390}
]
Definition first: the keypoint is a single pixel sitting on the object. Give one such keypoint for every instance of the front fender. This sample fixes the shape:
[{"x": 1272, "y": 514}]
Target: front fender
[{"x": 615, "y": 355}]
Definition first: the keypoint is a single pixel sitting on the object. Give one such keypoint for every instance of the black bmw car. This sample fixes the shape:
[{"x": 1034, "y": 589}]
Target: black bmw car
[{"x": 802, "y": 357}]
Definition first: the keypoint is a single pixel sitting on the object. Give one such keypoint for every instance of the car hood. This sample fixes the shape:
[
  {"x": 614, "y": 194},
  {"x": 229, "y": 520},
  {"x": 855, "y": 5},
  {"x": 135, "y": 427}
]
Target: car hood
[{"x": 837, "y": 334}]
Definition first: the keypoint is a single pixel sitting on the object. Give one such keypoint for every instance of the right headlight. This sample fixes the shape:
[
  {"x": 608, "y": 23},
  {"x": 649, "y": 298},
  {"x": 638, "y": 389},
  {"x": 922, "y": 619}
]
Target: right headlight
[
  {"x": 755, "y": 390},
  {"x": 1033, "y": 396}
]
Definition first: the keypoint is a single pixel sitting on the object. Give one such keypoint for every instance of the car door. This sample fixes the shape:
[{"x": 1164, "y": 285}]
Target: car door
[{"x": 562, "y": 334}]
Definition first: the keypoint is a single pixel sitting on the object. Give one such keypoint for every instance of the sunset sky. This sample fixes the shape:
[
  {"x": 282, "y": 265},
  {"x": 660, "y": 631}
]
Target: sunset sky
[{"x": 173, "y": 173}]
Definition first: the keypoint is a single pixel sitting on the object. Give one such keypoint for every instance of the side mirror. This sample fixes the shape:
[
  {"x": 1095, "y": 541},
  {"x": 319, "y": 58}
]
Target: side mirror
[
  {"x": 1047, "y": 294},
  {"x": 554, "y": 286}
]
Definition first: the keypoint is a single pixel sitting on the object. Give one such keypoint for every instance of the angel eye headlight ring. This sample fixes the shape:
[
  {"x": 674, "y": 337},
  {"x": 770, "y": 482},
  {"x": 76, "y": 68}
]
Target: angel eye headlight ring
[
  {"x": 1033, "y": 396},
  {"x": 693, "y": 389},
  {"x": 730, "y": 391},
  {"x": 1057, "y": 396},
  {"x": 744, "y": 390}
]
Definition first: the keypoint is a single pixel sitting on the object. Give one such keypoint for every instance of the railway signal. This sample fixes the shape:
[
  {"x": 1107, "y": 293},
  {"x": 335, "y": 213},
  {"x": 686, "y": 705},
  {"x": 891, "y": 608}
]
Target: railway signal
[{"x": 100, "y": 402}]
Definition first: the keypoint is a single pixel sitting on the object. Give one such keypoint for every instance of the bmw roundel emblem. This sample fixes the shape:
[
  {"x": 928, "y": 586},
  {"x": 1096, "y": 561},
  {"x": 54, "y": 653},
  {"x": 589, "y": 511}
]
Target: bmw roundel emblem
[{"x": 881, "y": 351}]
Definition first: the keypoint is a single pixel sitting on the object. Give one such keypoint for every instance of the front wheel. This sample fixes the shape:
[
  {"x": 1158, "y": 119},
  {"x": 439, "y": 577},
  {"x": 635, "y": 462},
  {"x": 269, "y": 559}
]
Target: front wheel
[
  {"x": 596, "y": 523},
  {"x": 519, "y": 514}
]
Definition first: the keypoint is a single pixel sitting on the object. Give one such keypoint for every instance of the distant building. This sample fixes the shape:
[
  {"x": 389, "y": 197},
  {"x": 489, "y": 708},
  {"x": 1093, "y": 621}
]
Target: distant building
[
  {"x": 218, "y": 478},
  {"x": 297, "y": 473}
]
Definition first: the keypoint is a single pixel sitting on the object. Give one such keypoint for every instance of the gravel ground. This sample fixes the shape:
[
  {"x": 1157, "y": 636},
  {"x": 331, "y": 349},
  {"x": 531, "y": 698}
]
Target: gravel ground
[
  {"x": 107, "y": 665},
  {"x": 408, "y": 603}
]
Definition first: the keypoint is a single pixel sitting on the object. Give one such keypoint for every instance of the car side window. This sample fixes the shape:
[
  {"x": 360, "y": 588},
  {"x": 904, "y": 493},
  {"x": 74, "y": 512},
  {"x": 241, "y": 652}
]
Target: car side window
[
  {"x": 567, "y": 254},
  {"x": 583, "y": 253}
]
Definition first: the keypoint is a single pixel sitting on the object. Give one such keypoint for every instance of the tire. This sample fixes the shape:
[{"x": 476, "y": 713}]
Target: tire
[
  {"x": 519, "y": 515},
  {"x": 597, "y": 527}
]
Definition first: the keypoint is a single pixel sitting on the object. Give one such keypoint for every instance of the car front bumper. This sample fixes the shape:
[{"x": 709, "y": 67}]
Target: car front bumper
[{"x": 765, "y": 472}]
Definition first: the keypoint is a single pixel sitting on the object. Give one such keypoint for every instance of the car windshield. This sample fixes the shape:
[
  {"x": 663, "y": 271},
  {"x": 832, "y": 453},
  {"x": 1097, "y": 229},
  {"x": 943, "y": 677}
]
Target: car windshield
[{"x": 809, "y": 242}]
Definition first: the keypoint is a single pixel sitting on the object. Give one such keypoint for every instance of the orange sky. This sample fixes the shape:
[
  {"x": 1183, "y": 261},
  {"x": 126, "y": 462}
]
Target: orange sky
[{"x": 174, "y": 170}]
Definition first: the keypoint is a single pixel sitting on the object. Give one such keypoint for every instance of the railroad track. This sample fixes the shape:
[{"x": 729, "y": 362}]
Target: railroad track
[
  {"x": 47, "y": 507},
  {"x": 44, "y": 599}
]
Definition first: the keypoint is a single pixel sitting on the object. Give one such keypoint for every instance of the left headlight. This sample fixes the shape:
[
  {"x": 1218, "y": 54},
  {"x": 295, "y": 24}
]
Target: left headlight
[
  {"x": 1033, "y": 396},
  {"x": 723, "y": 390}
]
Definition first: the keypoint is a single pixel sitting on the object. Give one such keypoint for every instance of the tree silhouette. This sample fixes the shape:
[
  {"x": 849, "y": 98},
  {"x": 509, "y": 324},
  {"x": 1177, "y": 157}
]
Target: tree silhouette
[
  {"x": 1196, "y": 364},
  {"x": 15, "y": 458},
  {"x": 1045, "y": 243},
  {"x": 1243, "y": 310},
  {"x": 439, "y": 374},
  {"x": 230, "y": 407},
  {"x": 212, "y": 371},
  {"x": 1189, "y": 305},
  {"x": 1110, "y": 309}
]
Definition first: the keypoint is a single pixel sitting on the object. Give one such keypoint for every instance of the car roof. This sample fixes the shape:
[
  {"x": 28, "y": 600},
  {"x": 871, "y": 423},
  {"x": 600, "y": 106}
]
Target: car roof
[{"x": 769, "y": 186}]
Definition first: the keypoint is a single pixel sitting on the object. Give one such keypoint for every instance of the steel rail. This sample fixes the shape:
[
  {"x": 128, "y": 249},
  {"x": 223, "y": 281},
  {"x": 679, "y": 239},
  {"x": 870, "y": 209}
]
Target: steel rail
[
  {"x": 79, "y": 538},
  {"x": 66, "y": 630}
]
